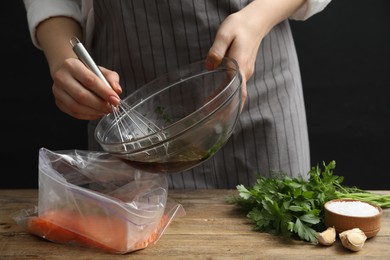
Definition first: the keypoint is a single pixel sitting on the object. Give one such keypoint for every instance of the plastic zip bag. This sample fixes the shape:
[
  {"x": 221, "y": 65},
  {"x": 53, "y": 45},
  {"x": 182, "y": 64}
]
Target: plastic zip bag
[{"x": 96, "y": 200}]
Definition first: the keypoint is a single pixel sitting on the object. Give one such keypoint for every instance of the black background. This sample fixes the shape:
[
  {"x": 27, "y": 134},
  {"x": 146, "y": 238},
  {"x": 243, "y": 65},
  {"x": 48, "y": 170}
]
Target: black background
[{"x": 344, "y": 53}]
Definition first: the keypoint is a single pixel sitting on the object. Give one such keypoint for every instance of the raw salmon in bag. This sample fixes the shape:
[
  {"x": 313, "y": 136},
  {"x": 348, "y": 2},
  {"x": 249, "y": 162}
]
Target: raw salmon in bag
[{"x": 96, "y": 200}]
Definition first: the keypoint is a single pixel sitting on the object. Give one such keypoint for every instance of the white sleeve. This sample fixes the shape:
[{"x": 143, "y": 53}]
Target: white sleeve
[
  {"x": 40, "y": 10},
  {"x": 309, "y": 8}
]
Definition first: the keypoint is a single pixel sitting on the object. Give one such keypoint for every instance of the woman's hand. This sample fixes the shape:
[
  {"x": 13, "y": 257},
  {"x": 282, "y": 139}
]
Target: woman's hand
[
  {"x": 77, "y": 90},
  {"x": 81, "y": 94},
  {"x": 238, "y": 39},
  {"x": 241, "y": 33}
]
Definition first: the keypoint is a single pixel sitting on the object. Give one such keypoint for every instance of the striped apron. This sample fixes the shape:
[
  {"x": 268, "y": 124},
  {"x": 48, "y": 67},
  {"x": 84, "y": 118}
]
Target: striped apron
[{"x": 144, "y": 39}]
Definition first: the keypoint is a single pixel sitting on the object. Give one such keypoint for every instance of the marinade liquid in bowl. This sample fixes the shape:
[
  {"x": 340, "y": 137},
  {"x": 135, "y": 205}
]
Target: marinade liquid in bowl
[{"x": 176, "y": 121}]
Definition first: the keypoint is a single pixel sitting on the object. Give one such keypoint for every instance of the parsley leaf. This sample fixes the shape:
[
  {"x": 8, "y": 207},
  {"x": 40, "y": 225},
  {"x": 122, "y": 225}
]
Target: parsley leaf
[{"x": 287, "y": 206}]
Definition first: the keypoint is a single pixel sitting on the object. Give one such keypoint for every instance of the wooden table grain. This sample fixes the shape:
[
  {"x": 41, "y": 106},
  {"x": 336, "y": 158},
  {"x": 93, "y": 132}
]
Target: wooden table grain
[{"x": 211, "y": 229}]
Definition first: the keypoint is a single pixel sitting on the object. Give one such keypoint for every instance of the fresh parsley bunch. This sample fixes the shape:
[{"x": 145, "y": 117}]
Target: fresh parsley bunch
[{"x": 282, "y": 205}]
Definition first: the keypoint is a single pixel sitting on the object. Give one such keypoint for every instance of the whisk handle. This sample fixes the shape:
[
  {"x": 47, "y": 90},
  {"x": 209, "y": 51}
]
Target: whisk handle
[{"x": 84, "y": 56}]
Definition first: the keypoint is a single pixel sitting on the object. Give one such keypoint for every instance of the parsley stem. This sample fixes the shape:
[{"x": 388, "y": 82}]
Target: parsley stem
[{"x": 381, "y": 200}]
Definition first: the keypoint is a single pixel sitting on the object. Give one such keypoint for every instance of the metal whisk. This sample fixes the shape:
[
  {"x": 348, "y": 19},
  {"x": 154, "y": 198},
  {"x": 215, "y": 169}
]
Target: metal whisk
[{"x": 144, "y": 125}]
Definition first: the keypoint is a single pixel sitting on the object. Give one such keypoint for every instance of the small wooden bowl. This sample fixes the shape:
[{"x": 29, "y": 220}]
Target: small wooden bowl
[{"x": 370, "y": 225}]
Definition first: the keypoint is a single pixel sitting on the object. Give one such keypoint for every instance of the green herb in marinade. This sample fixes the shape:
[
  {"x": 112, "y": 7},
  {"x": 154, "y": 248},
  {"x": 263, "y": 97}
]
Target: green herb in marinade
[{"x": 161, "y": 111}]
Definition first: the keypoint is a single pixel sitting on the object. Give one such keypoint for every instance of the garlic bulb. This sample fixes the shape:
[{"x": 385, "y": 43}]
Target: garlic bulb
[
  {"x": 327, "y": 237},
  {"x": 353, "y": 239}
]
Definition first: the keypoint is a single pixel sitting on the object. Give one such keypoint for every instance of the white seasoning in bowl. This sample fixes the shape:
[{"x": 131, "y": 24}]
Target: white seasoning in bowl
[{"x": 353, "y": 208}]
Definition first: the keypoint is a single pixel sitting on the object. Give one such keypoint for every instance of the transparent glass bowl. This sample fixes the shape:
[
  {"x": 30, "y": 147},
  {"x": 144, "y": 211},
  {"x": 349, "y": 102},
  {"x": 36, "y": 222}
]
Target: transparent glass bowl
[{"x": 176, "y": 121}]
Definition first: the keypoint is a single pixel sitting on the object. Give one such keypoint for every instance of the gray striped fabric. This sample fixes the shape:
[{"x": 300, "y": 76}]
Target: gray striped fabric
[{"x": 144, "y": 39}]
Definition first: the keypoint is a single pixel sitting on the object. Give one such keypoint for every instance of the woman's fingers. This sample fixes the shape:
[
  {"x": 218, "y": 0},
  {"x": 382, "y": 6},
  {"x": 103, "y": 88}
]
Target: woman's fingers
[
  {"x": 113, "y": 79},
  {"x": 81, "y": 94}
]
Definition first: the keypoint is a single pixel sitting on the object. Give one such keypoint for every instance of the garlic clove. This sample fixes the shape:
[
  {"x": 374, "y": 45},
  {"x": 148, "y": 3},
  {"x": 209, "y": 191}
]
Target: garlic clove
[
  {"x": 353, "y": 239},
  {"x": 327, "y": 237}
]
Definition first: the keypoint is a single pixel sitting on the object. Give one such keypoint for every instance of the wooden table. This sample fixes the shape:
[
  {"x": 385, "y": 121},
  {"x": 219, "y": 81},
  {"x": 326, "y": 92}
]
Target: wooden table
[{"x": 211, "y": 229}]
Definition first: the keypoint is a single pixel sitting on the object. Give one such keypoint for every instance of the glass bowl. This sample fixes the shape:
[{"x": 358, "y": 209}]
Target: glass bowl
[{"x": 176, "y": 121}]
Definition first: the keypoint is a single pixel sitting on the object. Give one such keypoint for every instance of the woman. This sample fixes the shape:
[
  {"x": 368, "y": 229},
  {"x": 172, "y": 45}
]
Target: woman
[{"x": 136, "y": 41}]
